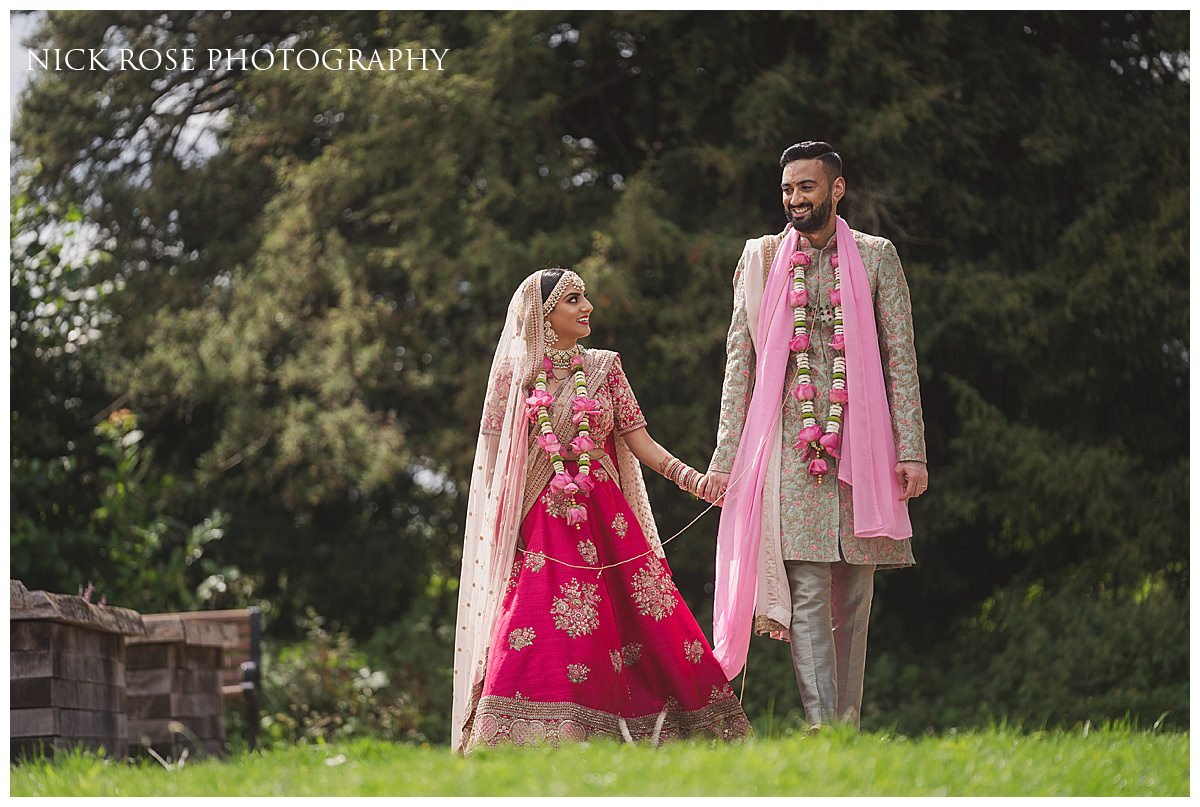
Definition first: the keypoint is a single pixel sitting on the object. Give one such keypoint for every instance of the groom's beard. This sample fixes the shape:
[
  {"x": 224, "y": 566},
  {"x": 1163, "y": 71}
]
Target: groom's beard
[{"x": 814, "y": 219}]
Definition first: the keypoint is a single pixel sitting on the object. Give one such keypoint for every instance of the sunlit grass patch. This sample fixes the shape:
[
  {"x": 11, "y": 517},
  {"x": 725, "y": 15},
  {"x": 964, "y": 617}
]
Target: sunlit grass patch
[{"x": 994, "y": 762}]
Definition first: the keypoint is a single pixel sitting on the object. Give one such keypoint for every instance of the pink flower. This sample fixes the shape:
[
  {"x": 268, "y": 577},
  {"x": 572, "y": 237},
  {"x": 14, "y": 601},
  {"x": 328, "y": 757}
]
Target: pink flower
[
  {"x": 571, "y": 488},
  {"x": 799, "y": 342},
  {"x": 577, "y": 360},
  {"x": 576, "y": 515},
  {"x": 809, "y": 433},
  {"x": 835, "y": 296},
  {"x": 539, "y": 398},
  {"x": 833, "y": 259},
  {"x": 584, "y": 407},
  {"x": 560, "y": 481},
  {"x": 838, "y": 395},
  {"x": 582, "y": 403},
  {"x": 800, "y": 259},
  {"x": 818, "y": 467},
  {"x": 550, "y": 443},
  {"x": 584, "y": 482},
  {"x": 582, "y": 443},
  {"x": 838, "y": 342},
  {"x": 549, "y": 365},
  {"x": 798, "y": 297},
  {"x": 804, "y": 392},
  {"x": 830, "y": 440}
]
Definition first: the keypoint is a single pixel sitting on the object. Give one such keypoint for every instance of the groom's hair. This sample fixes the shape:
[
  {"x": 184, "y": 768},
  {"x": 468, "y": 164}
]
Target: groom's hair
[{"x": 814, "y": 150}]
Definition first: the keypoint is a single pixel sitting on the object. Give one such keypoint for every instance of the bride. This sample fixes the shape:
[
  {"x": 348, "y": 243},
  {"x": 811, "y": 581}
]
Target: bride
[{"x": 569, "y": 624}]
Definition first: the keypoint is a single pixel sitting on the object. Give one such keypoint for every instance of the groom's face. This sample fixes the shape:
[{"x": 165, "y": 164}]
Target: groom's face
[{"x": 810, "y": 195}]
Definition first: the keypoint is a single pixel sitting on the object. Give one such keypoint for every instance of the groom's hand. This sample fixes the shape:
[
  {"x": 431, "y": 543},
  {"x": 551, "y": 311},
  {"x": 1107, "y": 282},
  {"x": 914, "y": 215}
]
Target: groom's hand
[
  {"x": 913, "y": 478},
  {"x": 713, "y": 485}
]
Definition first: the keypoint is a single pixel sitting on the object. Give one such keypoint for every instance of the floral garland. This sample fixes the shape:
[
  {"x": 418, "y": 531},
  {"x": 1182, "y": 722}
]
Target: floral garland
[
  {"x": 811, "y": 439},
  {"x": 585, "y": 408}
]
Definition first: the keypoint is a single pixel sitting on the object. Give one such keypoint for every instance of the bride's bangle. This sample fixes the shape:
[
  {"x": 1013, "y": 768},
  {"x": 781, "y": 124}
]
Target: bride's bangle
[{"x": 685, "y": 477}]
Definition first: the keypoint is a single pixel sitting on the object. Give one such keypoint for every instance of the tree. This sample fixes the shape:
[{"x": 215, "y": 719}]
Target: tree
[{"x": 304, "y": 309}]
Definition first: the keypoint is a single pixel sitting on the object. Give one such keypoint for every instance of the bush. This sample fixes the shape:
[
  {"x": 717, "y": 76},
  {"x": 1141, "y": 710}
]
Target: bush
[
  {"x": 418, "y": 653},
  {"x": 1038, "y": 657},
  {"x": 325, "y": 689}
]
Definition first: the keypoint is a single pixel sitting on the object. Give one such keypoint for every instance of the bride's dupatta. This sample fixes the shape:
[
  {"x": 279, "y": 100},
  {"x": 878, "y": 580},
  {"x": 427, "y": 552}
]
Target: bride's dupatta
[{"x": 494, "y": 504}]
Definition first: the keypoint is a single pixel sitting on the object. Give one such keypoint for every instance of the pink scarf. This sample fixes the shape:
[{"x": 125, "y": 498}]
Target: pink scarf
[{"x": 868, "y": 448}]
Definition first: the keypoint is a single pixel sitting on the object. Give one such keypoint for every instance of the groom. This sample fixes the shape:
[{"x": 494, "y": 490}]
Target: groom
[{"x": 815, "y": 487}]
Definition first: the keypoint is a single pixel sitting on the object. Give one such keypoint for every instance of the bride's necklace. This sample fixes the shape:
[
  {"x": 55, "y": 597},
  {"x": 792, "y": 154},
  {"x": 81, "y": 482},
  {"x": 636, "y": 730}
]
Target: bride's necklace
[{"x": 561, "y": 359}]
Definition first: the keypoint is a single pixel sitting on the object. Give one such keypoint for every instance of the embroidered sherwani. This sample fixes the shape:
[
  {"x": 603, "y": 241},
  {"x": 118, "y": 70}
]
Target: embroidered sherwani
[{"x": 816, "y": 520}]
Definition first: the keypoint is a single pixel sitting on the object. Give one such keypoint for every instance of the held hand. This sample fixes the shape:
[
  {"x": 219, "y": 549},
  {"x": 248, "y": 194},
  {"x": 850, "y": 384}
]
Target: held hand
[
  {"x": 913, "y": 478},
  {"x": 713, "y": 485}
]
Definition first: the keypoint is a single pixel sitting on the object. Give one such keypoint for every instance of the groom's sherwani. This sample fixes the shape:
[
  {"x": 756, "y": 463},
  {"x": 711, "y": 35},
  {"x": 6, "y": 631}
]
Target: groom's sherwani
[{"x": 815, "y": 521}]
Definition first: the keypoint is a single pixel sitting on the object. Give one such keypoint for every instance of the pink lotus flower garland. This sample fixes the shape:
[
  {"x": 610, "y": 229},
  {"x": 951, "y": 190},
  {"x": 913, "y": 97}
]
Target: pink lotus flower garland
[
  {"x": 811, "y": 439},
  {"x": 585, "y": 408}
]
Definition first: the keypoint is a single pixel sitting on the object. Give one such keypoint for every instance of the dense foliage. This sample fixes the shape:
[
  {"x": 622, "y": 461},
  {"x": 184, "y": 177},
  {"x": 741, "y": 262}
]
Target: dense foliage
[{"x": 294, "y": 280}]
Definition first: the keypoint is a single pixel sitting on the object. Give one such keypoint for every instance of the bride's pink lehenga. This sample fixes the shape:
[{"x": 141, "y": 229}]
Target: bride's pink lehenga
[{"x": 578, "y": 650}]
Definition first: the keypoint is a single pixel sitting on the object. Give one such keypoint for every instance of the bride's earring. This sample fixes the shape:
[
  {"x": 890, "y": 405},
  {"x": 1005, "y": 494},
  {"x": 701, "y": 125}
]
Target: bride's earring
[{"x": 551, "y": 336}]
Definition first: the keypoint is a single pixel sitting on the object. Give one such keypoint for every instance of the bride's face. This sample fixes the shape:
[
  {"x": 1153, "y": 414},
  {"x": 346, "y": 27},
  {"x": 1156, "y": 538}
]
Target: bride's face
[{"x": 571, "y": 318}]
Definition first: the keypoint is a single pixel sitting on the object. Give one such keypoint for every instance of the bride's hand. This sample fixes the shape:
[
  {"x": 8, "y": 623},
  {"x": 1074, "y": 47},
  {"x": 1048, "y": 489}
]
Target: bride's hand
[{"x": 713, "y": 485}]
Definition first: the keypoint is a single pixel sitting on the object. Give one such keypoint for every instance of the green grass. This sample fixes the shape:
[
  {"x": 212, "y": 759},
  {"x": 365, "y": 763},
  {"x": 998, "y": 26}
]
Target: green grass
[{"x": 996, "y": 762}]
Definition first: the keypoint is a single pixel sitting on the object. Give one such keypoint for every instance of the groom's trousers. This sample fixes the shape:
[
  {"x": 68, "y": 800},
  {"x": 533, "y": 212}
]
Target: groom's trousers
[{"x": 831, "y": 605}]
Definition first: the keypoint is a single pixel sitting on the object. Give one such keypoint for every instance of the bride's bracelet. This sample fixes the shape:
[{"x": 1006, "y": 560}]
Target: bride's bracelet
[{"x": 683, "y": 475}]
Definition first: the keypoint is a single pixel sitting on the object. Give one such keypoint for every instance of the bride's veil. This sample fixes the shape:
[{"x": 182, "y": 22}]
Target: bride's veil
[{"x": 494, "y": 508}]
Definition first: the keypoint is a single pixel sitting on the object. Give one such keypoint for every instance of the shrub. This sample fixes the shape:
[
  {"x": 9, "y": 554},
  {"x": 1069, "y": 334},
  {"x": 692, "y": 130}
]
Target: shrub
[
  {"x": 325, "y": 689},
  {"x": 1038, "y": 657}
]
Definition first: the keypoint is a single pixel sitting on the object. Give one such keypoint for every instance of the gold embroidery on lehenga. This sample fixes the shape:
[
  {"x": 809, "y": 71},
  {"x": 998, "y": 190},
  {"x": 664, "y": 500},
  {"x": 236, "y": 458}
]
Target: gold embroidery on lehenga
[
  {"x": 527, "y": 732},
  {"x": 620, "y": 525},
  {"x": 600, "y": 474},
  {"x": 628, "y": 655},
  {"x": 512, "y": 575},
  {"x": 556, "y": 504},
  {"x": 571, "y": 732},
  {"x": 577, "y": 673},
  {"x": 522, "y": 722},
  {"x": 653, "y": 590},
  {"x": 693, "y": 650},
  {"x": 587, "y": 550},
  {"x": 720, "y": 693},
  {"x": 575, "y": 611},
  {"x": 517, "y": 696},
  {"x": 534, "y": 562},
  {"x": 521, "y": 638}
]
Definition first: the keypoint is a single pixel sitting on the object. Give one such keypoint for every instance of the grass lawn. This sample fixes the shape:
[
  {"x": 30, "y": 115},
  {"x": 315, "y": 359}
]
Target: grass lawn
[{"x": 996, "y": 762}]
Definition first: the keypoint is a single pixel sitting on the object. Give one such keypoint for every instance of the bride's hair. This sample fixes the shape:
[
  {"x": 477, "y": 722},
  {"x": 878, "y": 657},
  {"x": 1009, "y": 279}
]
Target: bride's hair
[{"x": 550, "y": 280}]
